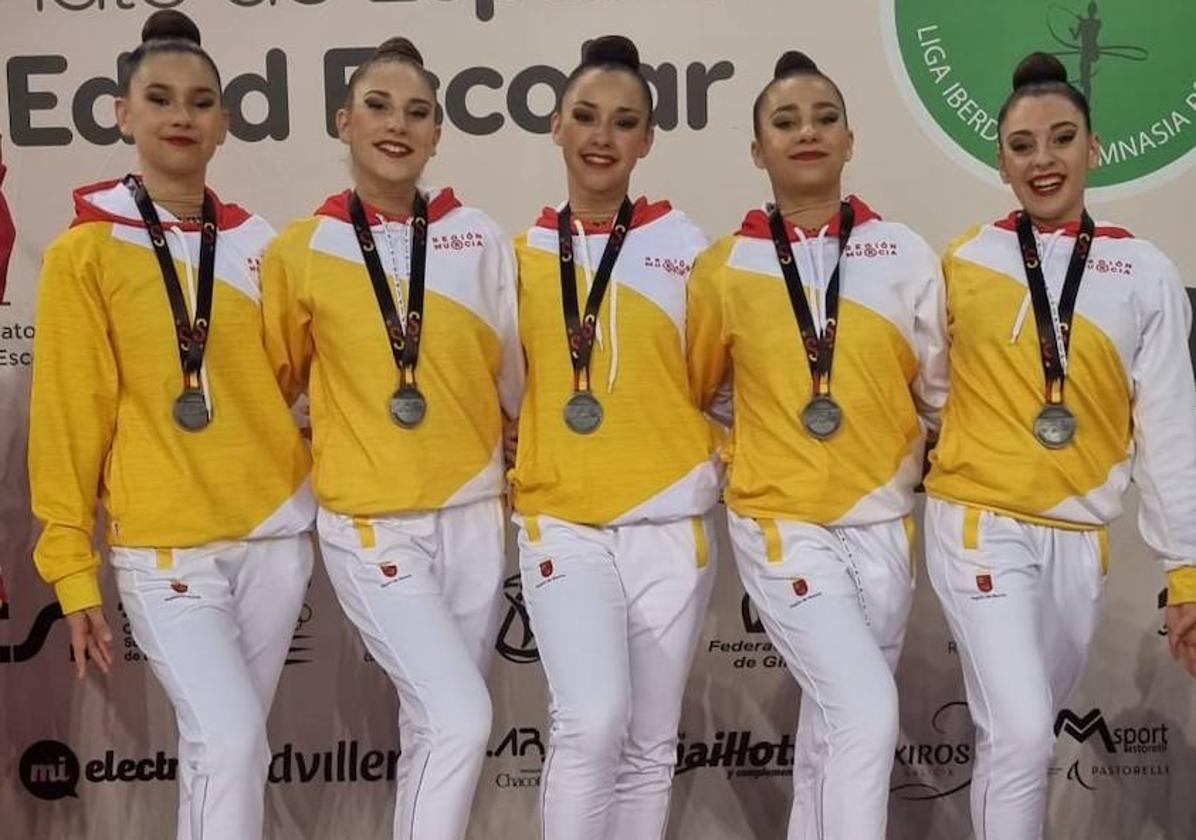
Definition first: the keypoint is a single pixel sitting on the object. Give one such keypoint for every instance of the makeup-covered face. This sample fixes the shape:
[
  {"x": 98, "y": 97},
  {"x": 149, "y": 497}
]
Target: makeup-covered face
[
  {"x": 173, "y": 113},
  {"x": 603, "y": 128},
  {"x": 803, "y": 141},
  {"x": 390, "y": 125},
  {"x": 1045, "y": 154}
]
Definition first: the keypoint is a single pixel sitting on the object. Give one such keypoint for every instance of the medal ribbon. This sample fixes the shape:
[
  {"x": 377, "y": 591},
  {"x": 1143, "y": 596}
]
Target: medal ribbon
[
  {"x": 1052, "y": 351},
  {"x": 820, "y": 349},
  {"x": 192, "y": 336},
  {"x": 404, "y": 343},
  {"x": 580, "y": 331}
]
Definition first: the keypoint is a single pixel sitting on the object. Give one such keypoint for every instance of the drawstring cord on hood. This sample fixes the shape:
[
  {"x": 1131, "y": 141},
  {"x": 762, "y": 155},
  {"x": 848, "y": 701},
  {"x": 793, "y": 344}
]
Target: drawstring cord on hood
[
  {"x": 1052, "y": 295},
  {"x": 397, "y": 268},
  {"x": 817, "y": 273}
]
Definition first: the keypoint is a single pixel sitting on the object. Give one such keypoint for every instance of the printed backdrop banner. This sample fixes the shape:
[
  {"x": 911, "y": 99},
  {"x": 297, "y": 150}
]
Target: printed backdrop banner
[{"x": 923, "y": 81}]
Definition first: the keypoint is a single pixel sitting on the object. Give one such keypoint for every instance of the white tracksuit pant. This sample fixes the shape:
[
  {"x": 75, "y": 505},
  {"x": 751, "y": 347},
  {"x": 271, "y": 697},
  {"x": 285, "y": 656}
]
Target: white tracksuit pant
[
  {"x": 425, "y": 591},
  {"x": 1022, "y": 601},
  {"x": 215, "y": 623},
  {"x": 834, "y": 602},
  {"x": 617, "y": 614}
]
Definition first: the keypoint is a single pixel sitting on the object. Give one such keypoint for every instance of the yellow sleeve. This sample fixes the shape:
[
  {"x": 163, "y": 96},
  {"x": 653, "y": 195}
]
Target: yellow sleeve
[
  {"x": 72, "y": 421},
  {"x": 286, "y": 314},
  {"x": 1181, "y": 585},
  {"x": 706, "y": 338}
]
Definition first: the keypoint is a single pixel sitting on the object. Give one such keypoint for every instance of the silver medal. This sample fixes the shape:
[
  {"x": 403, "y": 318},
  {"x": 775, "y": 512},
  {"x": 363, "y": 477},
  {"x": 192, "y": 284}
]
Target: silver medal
[
  {"x": 822, "y": 417},
  {"x": 583, "y": 413},
  {"x": 191, "y": 411},
  {"x": 408, "y": 407},
  {"x": 1055, "y": 426}
]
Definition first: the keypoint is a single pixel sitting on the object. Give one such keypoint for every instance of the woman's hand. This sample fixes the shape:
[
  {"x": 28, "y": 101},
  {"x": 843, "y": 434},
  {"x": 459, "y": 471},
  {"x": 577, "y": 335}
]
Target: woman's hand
[
  {"x": 1181, "y": 635},
  {"x": 90, "y": 636}
]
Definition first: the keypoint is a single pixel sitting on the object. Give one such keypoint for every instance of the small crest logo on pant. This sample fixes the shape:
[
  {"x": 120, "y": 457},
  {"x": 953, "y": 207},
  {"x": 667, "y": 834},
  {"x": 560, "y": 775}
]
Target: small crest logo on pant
[
  {"x": 546, "y": 569},
  {"x": 389, "y": 569},
  {"x": 179, "y": 586},
  {"x": 984, "y": 582},
  {"x": 800, "y": 587},
  {"x": 953, "y": 62}
]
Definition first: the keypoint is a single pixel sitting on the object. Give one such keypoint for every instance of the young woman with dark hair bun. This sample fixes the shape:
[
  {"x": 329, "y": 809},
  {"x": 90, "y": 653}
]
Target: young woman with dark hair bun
[
  {"x": 1070, "y": 377},
  {"x": 827, "y": 322},
  {"x": 393, "y": 307},
  {"x": 152, "y": 394},
  {"x": 615, "y": 474}
]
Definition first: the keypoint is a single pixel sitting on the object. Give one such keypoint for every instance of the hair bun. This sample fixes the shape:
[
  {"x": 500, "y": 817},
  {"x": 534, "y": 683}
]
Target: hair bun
[
  {"x": 1039, "y": 67},
  {"x": 794, "y": 61},
  {"x": 400, "y": 47},
  {"x": 612, "y": 49},
  {"x": 166, "y": 24}
]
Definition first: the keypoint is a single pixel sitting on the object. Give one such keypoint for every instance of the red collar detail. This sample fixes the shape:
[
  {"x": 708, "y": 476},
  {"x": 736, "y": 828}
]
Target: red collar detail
[
  {"x": 642, "y": 213},
  {"x": 1069, "y": 229},
  {"x": 755, "y": 223},
  {"x": 228, "y": 216},
  {"x": 337, "y": 207}
]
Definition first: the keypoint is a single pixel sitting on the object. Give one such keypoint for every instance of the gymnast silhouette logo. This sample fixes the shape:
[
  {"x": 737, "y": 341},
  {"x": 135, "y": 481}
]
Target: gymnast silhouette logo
[
  {"x": 1083, "y": 40},
  {"x": 516, "y": 642},
  {"x": 1138, "y": 77}
]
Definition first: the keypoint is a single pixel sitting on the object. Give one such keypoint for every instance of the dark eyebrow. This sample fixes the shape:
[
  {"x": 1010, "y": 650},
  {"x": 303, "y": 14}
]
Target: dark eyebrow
[
  {"x": 814, "y": 107},
  {"x": 1054, "y": 127},
  {"x": 625, "y": 109},
  {"x": 159, "y": 86}
]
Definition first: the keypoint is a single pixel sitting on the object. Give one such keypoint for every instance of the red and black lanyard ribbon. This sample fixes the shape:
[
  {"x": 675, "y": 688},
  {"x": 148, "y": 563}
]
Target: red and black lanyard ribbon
[
  {"x": 1052, "y": 350},
  {"x": 191, "y": 335},
  {"x": 581, "y": 331},
  {"x": 819, "y": 348},
  {"x": 404, "y": 340}
]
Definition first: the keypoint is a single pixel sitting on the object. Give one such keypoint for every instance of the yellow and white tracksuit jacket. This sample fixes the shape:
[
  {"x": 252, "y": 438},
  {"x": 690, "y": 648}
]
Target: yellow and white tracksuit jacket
[
  {"x": 889, "y": 372},
  {"x": 106, "y": 374},
  {"x": 325, "y": 334},
  {"x": 1129, "y": 384},
  {"x": 651, "y": 459}
]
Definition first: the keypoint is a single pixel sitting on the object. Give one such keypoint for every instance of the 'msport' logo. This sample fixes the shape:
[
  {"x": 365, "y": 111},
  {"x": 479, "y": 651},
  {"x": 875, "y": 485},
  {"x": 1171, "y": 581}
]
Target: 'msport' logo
[{"x": 1138, "y": 69}]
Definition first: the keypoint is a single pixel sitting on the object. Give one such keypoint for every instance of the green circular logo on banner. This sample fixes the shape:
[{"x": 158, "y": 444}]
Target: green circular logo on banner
[{"x": 1135, "y": 61}]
